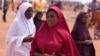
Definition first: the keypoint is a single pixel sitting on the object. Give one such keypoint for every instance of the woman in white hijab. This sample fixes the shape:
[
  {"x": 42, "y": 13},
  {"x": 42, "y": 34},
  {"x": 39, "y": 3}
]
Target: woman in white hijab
[{"x": 20, "y": 34}]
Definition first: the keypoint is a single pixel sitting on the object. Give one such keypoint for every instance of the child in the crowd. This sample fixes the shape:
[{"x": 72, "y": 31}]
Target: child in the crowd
[
  {"x": 38, "y": 20},
  {"x": 97, "y": 24}
]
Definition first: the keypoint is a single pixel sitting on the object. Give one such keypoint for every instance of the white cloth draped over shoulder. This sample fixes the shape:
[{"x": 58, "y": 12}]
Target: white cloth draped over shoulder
[{"x": 20, "y": 28}]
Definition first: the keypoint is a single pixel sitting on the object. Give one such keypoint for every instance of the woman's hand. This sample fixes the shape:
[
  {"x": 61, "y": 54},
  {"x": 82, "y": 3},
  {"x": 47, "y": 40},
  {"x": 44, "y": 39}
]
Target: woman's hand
[
  {"x": 49, "y": 55},
  {"x": 86, "y": 42},
  {"x": 28, "y": 38},
  {"x": 38, "y": 54}
]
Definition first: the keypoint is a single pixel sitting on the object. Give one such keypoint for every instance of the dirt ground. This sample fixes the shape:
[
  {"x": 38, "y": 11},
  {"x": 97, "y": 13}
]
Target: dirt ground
[{"x": 70, "y": 18}]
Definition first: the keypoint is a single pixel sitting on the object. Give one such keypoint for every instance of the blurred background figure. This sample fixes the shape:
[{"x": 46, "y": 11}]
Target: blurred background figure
[
  {"x": 38, "y": 20},
  {"x": 76, "y": 6},
  {"x": 30, "y": 1},
  {"x": 51, "y": 3},
  {"x": 85, "y": 8},
  {"x": 25, "y": 1},
  {"x": 93, "y": 7},
  {"x": 97, "y": 24},
  {"x": 0, "y": 4},
  {"x": 34, "y": 4},
  {"x": 18, "y": 3},
  {"x": 13, "y": 5},
  {"x": 5, "y": 9},
  {"x": 59, "y": 4},
  {"x": 89, "y": 18}
]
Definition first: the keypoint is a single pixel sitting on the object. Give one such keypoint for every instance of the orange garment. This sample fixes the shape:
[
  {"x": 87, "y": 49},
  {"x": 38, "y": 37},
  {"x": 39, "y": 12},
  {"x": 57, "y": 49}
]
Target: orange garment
[
  {"x": 13, "y": 5},
  {"x": 34, "y": 5},
  {"x": 39, "y": 5}
]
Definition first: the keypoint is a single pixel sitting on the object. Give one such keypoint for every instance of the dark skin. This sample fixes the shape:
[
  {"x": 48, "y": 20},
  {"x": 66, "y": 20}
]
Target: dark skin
[
  {"x": 89, "y": 17},
  {"x": 51, "y": 18},
  {"x": 97, "y": 19},
  {"x": 85, "y": 19},
  {"x": 97, "y": 15},
  {"x": 40, "y": 16},
  {"x": 28, "y": 15},
  {"x": 28, "y": 38}
]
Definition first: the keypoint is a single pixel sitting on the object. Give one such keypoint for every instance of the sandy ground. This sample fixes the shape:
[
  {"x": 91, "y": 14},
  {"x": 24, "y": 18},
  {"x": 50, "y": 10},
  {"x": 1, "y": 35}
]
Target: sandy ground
[{"x": 70, "y": 18}]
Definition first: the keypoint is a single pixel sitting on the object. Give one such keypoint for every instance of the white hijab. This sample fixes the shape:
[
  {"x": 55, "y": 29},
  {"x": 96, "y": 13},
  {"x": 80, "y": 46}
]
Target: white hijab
[
  {"x": 26, "y": 24},
  {"x": 20, "y": 28}
]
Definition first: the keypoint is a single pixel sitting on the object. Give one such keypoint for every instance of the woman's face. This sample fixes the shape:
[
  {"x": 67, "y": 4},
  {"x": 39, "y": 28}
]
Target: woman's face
[
  {"x": 97, "y": 15},
  {"x": 51, "y": 18},
  {"x": 90, "y": 15},
  {"x": 40, "y": 16},
  {"x": 85, "y": 19},
  {"x": 29, "y": 13}
]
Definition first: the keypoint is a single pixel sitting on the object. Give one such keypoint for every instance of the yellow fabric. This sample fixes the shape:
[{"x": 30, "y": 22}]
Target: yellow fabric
[
  {"x": 13, "y": 6},
  {"x": 39, "y": 5}
]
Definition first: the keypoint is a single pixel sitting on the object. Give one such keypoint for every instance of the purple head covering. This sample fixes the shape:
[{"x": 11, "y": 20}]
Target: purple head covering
[
  {"x": 79, "y": 18},
  {"x": 80, "y": 30},
  {"x": 94, "y": 1}
]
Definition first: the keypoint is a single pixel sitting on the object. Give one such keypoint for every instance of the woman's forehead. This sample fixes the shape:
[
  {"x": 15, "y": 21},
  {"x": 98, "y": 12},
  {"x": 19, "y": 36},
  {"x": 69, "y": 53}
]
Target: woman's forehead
[
  {"x": 30, "y": 8},
  {"x": 24, "y": 6},
  {"x": 52, "y": 12}
]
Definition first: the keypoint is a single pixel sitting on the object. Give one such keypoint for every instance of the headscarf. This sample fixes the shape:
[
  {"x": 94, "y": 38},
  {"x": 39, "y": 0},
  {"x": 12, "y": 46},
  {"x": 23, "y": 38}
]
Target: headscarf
[
  {"x": 25, "y": 23},
  {"x": 80, "y": 33},
  {"x": 62, "y": 22},
  {"x": 22, "y": 10},
  {"x": 60, "y": 30},
  {"x": 20, "y": 28},
  {"x": 80, "y": 29},
  {"x": 79, "y": 18}
]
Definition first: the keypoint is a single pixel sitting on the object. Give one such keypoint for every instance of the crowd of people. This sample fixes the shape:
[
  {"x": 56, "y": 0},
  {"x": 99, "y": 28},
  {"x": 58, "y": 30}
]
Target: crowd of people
[
  {"x": 28, "y": 36},
  {"x": 37, "y": 5}
]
